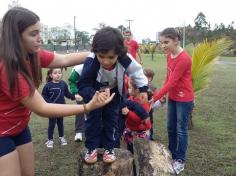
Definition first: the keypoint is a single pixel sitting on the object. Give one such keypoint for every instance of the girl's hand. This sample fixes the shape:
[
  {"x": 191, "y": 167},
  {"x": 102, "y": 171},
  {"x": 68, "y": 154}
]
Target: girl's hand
[
  {"x": 163, "y": 100},
  {"x": 78, "y": 98},
  {"x": 99, "y": 100},
  {"x": 125, "y": 111}
]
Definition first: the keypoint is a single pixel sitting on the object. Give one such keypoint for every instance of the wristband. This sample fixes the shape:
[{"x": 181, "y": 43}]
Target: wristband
[{"x": 85, "y": 109}]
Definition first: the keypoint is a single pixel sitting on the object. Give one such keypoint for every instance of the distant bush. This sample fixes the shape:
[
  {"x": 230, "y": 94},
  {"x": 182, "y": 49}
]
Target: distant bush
[{"x": 230, "y": 53}]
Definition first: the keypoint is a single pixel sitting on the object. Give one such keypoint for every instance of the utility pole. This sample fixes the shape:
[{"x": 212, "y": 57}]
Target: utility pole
[
  {"x": 129, "y": 20},
  {"x": 75, "y": 34}
]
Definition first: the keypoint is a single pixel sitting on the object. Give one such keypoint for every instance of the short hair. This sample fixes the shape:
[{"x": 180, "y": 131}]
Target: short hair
[
  {"x": 128, "y": 31},
  {"x": 107, "y": 39},
  {"x": 171, "y": 33},
  {"x": 149, "y": 72}
]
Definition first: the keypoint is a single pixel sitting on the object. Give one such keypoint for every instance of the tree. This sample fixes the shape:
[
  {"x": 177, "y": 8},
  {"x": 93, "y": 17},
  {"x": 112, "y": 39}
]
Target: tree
[
  {"x": 100, "y": 26},
  {"x": 59, "y": 34},
  {"x": 204, "y": 57},
  {"x": 82, "y": 37},
  {"x": 201, "y": 26},
  {"x": 200, "y": 21},
  {"x": 152, "y": 49},
  {"x": 122, "y": 28}
]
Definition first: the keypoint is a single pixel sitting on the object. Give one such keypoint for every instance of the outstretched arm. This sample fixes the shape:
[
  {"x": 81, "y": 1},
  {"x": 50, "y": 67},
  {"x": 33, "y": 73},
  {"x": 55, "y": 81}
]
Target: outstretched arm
[
  {"x": 140, "y": 56},
  {"x": 37, "y": 104},
  {"x": 64, "y": 60}
]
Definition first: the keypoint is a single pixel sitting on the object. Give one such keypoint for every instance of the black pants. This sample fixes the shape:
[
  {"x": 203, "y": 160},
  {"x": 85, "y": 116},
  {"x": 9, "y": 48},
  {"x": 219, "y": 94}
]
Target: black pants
[{"x": 51, "y": 125}]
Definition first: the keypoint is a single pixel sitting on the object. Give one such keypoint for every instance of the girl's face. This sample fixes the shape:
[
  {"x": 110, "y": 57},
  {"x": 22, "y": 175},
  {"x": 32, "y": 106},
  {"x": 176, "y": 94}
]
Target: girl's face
[
  {"x": 168, "y": 43},
  {"x": 107, "y": 60},
  {"x": 56, "y": 75},
  {"x": 31, "y": 38},
  {"x": 149, "y": 79},
  {"x": 132, "y": 91}
]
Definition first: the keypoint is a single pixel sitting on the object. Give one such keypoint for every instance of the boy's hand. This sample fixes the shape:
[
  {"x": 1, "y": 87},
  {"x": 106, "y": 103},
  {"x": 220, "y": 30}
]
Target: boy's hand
[
  {"x": 78, "y": 98},
  {"x": 125, "y": 111},
  {"x": 99, "y": 100}
]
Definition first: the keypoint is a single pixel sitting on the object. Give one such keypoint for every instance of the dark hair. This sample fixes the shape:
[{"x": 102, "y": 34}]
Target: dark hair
[
  {"x": 149, "y": 93},
  {"x": 132, "y": 82},
  {"x": 149, "y": 73},
  {"x": 107, "y": 39},
  {"x": 12, "y": 52},
  {"x": 49, "y": 78},
  {"x": 171, "y": 33},
  {"x": 127, "y": 31}
]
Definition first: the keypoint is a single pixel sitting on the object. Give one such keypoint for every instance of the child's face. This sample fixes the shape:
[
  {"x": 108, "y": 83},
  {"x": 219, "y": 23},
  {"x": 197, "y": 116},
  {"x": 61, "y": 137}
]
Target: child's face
[
  {"x": 132, "y": 90},
  {"x": 56, "y": 75},
  {"x": 149, "y": 79},
  {"x": 168, "y": 43},
  {"x": 107, "y": 60}
]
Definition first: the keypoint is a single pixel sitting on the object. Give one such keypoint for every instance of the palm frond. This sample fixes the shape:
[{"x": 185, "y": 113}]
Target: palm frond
[{"x": 204, "y": 57}]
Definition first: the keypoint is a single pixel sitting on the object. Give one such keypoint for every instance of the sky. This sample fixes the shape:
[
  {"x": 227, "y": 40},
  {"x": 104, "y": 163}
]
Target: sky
[{"x": 148, "y": 16}]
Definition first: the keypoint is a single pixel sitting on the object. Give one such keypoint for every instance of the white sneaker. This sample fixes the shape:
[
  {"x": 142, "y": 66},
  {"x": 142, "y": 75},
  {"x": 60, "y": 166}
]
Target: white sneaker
[
  {"x": 78, "y": 137},
  {"x": 178, "y": 166},
  {"x": 49, "y": 144},
  {"x": 62, "y": 141}
]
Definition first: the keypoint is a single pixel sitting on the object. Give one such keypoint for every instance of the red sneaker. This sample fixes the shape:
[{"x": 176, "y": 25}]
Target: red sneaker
[
  {"x": 109, "y": 156},
  {"x": 91, "y": 156}
]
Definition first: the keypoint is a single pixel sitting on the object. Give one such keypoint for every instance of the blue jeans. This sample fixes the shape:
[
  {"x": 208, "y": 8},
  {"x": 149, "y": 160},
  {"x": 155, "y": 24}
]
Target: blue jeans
[{"x": 177, "y": 126}]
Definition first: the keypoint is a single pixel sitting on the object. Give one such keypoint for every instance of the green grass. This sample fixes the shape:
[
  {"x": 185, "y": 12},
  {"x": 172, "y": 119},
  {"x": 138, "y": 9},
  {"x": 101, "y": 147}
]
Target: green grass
[{"x": 212, "y": 147}]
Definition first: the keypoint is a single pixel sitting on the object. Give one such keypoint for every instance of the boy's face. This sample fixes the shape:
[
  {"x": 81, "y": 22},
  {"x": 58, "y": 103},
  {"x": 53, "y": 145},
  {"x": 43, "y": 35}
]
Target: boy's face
[
  {"x": 107, "y": 60},
  {"x": 127, "y": 35}
]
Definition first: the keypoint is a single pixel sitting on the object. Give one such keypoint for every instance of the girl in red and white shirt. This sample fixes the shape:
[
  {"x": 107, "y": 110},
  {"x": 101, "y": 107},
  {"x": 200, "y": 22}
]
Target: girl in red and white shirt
[{"x": 21, "y": 60}]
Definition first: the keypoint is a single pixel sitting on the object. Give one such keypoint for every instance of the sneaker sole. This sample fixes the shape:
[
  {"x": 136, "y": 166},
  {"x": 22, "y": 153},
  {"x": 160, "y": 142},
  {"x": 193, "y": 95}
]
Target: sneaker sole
[
  {"x": 78, "y": 140},
  {"x": 91, "y": 161},
  {"x": 177, "y": 173},
  {"x": 109, "y": 161}
]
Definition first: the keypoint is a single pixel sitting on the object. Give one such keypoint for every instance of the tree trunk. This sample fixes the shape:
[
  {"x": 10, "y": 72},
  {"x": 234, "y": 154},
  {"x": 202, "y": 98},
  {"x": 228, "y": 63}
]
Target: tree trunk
[
  {"x": 152, "y": 159},
  {"x": 123, "y": 166}
]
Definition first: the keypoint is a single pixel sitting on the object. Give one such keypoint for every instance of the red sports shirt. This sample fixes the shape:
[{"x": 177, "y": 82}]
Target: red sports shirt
[
  {"x": 14, "y": 117},
  {"x": 132, "y": 47},
  {"x": 178, "y": 82}
]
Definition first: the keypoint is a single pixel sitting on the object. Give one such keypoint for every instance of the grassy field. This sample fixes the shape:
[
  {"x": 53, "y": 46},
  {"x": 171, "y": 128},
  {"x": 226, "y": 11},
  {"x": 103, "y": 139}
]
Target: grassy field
[{"x": 212, "y": 148}]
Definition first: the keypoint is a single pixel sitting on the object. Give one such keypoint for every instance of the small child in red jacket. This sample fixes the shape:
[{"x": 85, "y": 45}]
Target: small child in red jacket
[{"x": 137, "y": 122}]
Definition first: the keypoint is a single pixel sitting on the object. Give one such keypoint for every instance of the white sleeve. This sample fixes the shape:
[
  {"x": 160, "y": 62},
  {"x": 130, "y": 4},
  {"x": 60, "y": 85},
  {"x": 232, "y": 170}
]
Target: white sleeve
[{"x": 135, "y": 71}]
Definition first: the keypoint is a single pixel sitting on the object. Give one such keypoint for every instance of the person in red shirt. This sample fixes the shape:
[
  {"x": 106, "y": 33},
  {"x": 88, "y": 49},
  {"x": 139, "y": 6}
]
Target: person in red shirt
[
  {"x": 132, "y": 46},
  {"x": 136, "y": 113},
  {"x": 178, "y": 85},
  {"x": 21, "y": 60}
]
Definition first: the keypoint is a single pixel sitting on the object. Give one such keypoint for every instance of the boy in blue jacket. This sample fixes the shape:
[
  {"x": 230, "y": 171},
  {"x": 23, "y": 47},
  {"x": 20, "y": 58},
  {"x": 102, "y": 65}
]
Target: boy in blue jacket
[{"x": 106, "y": 67}]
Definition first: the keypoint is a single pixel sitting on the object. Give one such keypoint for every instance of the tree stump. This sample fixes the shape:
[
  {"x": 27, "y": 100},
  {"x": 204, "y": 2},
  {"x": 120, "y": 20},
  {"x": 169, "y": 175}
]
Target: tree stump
[
  {"x": 123, "y": 166},
  {"x": 152, "y": 159}
]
